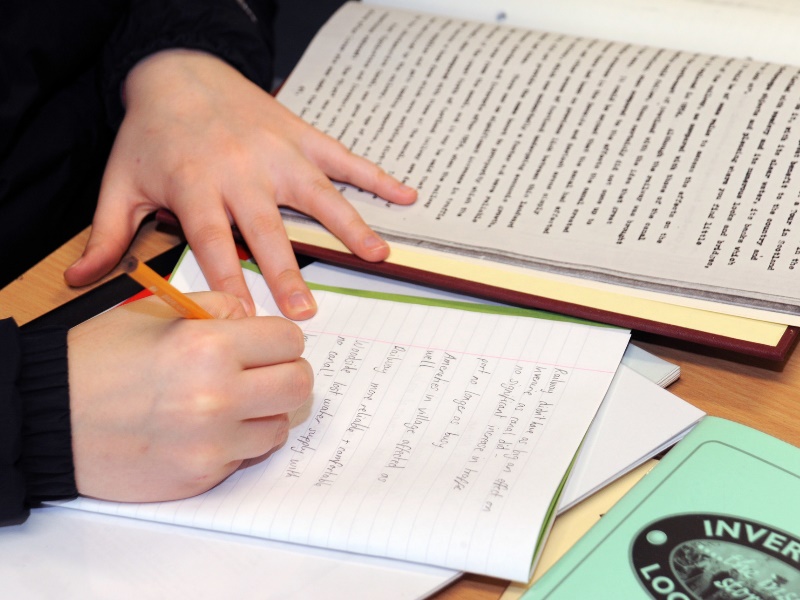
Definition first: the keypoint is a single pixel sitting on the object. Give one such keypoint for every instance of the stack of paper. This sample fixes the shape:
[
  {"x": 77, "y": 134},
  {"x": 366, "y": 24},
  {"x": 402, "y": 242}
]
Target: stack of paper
[{"x": 295, "y": 571}]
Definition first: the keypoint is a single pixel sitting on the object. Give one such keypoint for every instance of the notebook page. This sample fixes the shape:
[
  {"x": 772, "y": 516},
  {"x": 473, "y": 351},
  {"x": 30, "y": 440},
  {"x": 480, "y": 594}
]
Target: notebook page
[
  {"x": 636, "y": 420},
  {"x": 434, "y": 435}
]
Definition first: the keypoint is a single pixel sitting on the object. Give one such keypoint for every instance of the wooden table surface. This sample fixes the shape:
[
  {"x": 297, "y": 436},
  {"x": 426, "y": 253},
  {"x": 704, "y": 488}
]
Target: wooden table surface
[{"x": 762, "y": 396}]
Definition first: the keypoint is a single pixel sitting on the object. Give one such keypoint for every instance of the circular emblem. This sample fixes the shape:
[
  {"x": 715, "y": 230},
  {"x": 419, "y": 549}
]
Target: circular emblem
[{"x": 716, "y": 557}]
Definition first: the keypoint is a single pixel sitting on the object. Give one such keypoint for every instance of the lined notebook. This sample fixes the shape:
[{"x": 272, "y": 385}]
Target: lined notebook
[
  {"x": 435, "y": 435},
  {"x": 636, "y": 421}
]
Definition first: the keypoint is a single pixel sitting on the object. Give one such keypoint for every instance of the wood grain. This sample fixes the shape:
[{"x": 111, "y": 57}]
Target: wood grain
[{"x": 43, "y": 288}]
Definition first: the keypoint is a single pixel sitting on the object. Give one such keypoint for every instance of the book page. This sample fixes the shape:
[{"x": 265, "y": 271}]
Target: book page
[
  {"x": 434, "y": 435},
  {"x": 758, "y": 29},
  {"x": 629, "y": 164}
]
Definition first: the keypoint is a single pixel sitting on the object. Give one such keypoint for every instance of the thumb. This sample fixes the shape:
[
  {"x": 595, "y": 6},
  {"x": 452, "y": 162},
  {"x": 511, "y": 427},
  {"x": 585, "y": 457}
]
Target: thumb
[{"x": 109, "y": 239}]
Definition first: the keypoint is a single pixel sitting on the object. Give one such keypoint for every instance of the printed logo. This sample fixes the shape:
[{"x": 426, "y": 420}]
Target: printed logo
[{"x": 716, "y": 557}]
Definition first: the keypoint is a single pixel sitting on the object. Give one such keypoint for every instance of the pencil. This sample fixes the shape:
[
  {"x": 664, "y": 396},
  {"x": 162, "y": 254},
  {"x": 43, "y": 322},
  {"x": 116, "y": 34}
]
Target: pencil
[{"x": 159, "y": 286}]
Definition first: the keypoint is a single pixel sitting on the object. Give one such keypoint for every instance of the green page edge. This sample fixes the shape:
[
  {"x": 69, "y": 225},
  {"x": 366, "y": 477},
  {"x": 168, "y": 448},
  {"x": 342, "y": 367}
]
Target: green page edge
[{"x": 456, "y": 304}]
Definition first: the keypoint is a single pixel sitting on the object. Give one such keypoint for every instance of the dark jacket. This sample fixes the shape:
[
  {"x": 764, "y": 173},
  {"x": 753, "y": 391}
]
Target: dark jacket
[
  {"x": 35, "y": 440},
  {"x": 61, "y": 68}
]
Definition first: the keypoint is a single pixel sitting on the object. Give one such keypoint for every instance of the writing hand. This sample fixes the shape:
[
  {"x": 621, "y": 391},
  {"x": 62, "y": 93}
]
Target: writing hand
[
  {"x": 203, "y": 141},
  {"x": 165, "y": 408}
]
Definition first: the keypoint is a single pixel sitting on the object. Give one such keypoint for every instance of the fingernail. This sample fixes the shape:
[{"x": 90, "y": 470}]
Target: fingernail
[
  {"x": 249, "y": 309},
  {"x": 301, "y": 302},
  {"x": 76, "y": 263},
  {"x": 373, "y": 242}
]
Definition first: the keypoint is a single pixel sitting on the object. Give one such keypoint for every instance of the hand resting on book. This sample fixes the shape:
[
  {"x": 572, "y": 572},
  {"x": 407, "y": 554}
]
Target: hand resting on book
[
  {"x": 165, "y": 408},
  {"x": 200, "y": 139}
]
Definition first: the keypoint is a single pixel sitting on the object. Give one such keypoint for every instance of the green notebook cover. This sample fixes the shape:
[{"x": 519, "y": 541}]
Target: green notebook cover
[{"x": 718, "y": 518}]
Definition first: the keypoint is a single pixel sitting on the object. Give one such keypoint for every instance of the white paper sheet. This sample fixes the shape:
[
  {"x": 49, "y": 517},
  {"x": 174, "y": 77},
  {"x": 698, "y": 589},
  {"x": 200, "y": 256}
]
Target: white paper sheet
[{"x": 435, "y": 436}]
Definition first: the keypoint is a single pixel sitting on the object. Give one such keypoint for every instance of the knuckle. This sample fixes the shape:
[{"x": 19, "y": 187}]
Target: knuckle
[
  {"x": 320, "y": 185},
  {"x": 204, "y": 346},
  {"x": 372, "y": 174},
  {"x": 355, "y": 224},
  {"x": 238, "y": 152},
  {"x": 264, "y": 225},
  {"x": 184, "y": 170},
  {"x": 230, "y": 282},
  {"x": 203, "y": 460},
  {"x": 342, "y": 152},
  {"x": 206, "y": 409},
  {"x": 281, "y": 430},
  {"x": 102, "y": 242},
  {"x": 208, "y": 234},
  {"x": 287, "y": 334},
  {"x": 294, "y": 338},
  {"x": 300, "y": 381},
  {"x": 230, "y": 305}
]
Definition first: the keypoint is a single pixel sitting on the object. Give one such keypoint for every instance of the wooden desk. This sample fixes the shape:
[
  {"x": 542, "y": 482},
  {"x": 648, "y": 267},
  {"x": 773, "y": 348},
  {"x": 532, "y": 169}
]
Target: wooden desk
[{"x": 765, "y": 398}]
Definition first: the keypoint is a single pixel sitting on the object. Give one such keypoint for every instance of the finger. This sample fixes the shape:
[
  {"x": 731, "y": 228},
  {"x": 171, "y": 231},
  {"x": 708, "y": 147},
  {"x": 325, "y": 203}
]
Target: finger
[
  {"x": 262, "y": 227},
  {"x": 257, "y": 437},
  {"x": 316, "y": 196},
  {"x": 219, "y": 304},
  {"x": 119, "y": 213},
  {"x": 273, "y": 390},
  {"x": 338, "y": 163},
  {"x": 208, "y": 232},
  {"x": 263, "y": 341}
]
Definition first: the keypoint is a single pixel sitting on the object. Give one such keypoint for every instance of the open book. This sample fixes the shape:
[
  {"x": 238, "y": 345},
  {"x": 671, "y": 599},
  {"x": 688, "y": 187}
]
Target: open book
[
  {"x": 650, "y": 187},
  {"x": 434, "y": 435}
]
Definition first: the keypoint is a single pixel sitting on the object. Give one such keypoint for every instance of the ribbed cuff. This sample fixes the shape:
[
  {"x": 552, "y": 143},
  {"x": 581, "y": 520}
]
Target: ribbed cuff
[
  {"x": 222, "y": 29},
  {"x": 46, "y": 432}
]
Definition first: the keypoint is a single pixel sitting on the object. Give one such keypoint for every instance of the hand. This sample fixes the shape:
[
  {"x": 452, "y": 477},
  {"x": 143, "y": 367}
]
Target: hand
[
  {"x": 164, "y": 408},
  {"x": 203, "y": 141}
]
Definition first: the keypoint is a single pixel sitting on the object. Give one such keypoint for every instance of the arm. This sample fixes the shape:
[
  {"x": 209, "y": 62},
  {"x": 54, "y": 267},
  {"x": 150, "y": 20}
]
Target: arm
[
  {"x": 201, "y": 139},
  {"x": 147, "y": 407}
]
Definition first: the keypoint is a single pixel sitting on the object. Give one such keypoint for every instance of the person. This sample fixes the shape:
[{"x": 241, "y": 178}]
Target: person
[{"x": 110, "y": 111}]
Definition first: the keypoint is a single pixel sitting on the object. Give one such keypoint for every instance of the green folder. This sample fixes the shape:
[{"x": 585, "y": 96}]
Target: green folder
[{"x": 718, "y": 518}]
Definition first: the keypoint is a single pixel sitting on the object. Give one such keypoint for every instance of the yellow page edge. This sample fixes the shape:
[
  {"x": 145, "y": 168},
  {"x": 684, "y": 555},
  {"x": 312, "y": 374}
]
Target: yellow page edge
[{"x": 716, "y": 323}]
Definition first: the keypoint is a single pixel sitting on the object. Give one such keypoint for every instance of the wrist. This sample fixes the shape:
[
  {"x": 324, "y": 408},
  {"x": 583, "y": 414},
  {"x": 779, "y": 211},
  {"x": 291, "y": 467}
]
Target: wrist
[{"x": 161, "y": 69}]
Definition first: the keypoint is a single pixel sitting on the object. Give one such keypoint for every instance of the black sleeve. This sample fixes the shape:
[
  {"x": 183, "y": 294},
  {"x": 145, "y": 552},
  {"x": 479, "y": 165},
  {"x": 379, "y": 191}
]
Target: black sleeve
[
  {"x": 35, "y": 435},
  {"x": 237, "y": 31}
]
